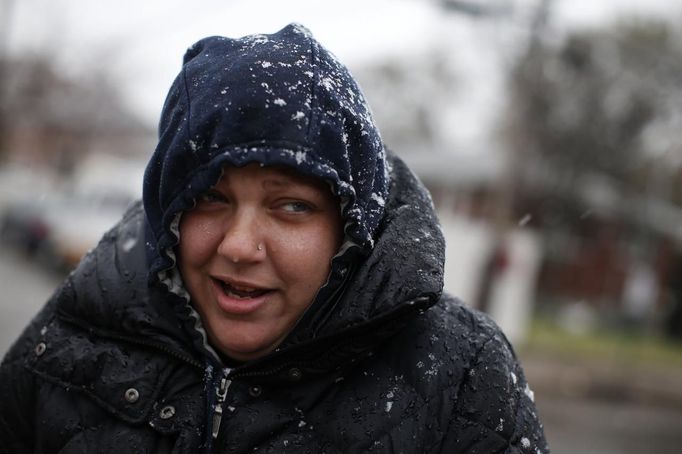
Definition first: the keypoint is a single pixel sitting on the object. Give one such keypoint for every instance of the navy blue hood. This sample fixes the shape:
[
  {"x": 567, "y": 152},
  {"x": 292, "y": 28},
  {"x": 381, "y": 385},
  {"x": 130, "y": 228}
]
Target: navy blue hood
[{"x": 279, "y": 99}]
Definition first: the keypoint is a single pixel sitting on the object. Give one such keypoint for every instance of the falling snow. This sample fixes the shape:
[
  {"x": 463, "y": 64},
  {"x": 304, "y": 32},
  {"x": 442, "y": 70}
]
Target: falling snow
[
  {"x": 525, "y": 220},
  {"x": 128, "y": 244}
]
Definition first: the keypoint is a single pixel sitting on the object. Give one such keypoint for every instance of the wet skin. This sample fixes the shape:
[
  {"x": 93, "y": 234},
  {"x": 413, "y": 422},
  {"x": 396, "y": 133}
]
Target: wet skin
[{"x": 254, "y": 252}]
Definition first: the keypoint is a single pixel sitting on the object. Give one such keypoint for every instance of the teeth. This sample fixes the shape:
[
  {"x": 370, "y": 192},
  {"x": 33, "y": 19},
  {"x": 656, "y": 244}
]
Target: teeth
[{"x": 241, "y": 292}]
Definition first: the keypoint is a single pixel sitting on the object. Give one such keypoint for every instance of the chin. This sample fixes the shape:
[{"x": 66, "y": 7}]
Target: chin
[{"x": 247, "y": 351}]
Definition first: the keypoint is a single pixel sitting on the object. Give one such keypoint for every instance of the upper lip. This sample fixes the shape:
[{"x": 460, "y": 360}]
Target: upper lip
[{"x": 240, "y": 284}]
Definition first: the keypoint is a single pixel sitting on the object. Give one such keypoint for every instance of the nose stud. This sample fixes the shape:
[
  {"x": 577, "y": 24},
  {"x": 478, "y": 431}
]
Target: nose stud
[{"x": 259, "y": 247}]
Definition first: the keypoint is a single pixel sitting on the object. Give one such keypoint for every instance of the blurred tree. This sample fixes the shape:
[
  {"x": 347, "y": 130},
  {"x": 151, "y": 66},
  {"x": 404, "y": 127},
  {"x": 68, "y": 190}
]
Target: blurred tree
[
  {"x": 598, "y": 108},
  {"x": 51, "y": 118},
  {"x": 595, "y": 132}
]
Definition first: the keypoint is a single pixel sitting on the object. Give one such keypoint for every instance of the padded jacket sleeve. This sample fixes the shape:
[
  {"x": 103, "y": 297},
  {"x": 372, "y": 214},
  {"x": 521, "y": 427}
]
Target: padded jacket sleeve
[
  {"x": 18, "y": 387},
  {"x": 495, "y": 407}
]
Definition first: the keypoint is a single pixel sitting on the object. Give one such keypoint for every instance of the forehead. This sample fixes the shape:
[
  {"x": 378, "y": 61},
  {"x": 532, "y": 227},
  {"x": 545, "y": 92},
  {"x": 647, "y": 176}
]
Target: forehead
[{"x": 270, "y": 177}]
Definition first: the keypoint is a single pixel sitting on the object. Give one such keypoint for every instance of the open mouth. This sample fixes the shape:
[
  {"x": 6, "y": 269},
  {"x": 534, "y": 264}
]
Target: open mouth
[{"x": 240, "y": 292}]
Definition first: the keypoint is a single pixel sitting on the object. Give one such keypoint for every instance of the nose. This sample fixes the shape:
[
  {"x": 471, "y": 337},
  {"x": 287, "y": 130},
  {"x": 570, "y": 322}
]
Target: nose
[{"x": 242, "y": 241}]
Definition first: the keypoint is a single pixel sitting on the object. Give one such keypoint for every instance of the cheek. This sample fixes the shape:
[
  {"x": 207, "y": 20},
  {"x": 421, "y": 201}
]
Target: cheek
[
  {"x": 197, "y": 239},
  {"x": 306, "y": 255}
]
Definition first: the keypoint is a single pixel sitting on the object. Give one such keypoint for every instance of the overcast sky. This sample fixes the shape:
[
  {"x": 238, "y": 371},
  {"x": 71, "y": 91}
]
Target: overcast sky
[{"x": 141, "y": 42}]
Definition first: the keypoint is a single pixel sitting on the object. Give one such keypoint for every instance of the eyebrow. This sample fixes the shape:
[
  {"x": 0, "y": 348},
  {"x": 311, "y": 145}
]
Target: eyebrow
[
  {"x": 286, "y": 181},
  {"x": 278, "y": 183}
]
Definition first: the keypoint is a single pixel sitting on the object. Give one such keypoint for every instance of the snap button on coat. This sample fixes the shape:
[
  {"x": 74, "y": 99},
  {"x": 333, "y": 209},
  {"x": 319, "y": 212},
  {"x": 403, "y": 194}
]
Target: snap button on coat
[
  {"x": 255, "y": 391},
  {"x": 167, "y": 412},
  {"x": 132, "y": 395},
  {"x": 40, "y": 348},
  {"x": 295, "y": 374}
]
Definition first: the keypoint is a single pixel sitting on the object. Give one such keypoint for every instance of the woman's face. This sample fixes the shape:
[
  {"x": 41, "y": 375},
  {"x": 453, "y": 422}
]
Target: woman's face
[{"x": 253, "y": 254}]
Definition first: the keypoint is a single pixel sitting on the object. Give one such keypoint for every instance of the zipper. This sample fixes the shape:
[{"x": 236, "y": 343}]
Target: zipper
[{"x": 221, "y": 394}]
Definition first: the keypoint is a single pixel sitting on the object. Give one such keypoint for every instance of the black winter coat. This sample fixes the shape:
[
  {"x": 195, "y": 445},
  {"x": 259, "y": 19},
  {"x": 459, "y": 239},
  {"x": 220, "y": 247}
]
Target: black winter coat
[{"x": 107, "y": 367}]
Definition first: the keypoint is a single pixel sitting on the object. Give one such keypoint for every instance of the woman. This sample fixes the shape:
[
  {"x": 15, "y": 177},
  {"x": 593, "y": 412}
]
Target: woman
[{"x": 279, "y": 290}]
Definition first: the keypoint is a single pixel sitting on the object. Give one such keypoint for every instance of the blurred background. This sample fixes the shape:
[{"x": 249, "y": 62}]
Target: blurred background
[{"x": 548, "y": 131}]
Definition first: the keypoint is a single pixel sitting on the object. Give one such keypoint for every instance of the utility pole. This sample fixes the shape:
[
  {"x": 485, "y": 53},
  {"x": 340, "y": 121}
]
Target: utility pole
[
  {"x": 503, "y": 254},
  {"x": 6, "y": 15}
]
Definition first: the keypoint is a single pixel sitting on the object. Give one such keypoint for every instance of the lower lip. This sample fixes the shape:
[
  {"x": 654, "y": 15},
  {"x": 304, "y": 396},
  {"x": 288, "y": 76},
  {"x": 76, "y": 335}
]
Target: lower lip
[{"x": 237, "y": 306}]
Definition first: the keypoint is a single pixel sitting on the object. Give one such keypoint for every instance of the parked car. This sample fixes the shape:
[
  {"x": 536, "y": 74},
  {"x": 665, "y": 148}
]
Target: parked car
[
  {"x": 60, "y": 228},
  {"x": 24, "y": 227}
]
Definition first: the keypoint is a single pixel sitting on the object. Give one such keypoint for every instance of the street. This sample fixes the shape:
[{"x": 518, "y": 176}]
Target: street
[
  {"x": 594, "y": 426},
  {"x": 26, "y": 288}
]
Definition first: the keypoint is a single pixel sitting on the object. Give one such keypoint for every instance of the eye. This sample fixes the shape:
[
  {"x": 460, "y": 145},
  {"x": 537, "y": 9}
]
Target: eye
[
  {"x": 296, "y": 207},
  {"x": 211, "y": 196}
]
